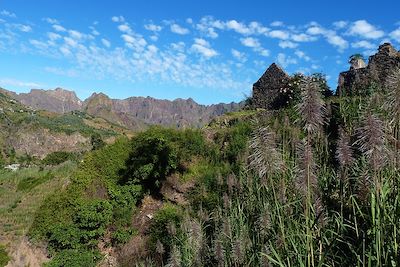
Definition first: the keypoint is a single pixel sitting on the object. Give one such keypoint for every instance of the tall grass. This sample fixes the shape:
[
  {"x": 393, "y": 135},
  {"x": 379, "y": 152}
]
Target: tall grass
[{"x": 297, "y": 203}]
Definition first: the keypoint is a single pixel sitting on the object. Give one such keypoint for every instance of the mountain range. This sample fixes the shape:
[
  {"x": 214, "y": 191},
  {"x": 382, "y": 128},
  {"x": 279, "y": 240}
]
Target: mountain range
[{"x": 134, "y": 113}]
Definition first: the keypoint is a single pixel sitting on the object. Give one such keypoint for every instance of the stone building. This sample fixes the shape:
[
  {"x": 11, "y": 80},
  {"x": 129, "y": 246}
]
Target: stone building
[
  {"x": 267, "y": 89},
  {"x": 357, "y": 81}
]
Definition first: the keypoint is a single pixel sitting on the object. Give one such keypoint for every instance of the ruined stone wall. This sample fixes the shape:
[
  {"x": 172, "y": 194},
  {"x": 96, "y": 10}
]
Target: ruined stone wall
[
  {"x": 266, "y": 90},
  {"x": 380, "y": 66}
]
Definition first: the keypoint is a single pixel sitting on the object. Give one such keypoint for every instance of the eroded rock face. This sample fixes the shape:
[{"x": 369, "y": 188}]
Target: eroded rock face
[
  {"x": 41, "y": 142},
  {"x": 267, "y": 89},
  {"x": 380, "y": 66}
]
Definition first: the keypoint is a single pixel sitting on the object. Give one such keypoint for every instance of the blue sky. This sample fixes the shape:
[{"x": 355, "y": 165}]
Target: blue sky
[{"x": 211, "y": 51}]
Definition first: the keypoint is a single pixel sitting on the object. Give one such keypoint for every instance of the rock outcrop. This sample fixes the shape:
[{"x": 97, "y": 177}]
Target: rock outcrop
[
  {"x": 357, "y": 81},
  {"x": 267, "y": 89}
]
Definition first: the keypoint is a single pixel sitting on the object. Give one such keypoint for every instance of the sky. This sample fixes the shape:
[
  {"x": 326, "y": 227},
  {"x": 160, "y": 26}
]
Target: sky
[{"x": 211, "y": 51}]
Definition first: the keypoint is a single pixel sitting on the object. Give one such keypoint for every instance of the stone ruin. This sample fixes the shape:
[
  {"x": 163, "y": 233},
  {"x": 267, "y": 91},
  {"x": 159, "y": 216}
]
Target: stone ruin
[
  {"x": 359, "y": 79},
  {"x": 266, "y": 90},
  {"x": 356, "y": 81}
]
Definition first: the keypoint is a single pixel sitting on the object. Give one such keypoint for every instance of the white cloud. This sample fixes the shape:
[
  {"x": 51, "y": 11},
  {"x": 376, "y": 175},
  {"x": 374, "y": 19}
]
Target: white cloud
[
  {"x": 395, "y": 35},
  {"x": 53, "y": 36},
  {"x": 258, "y": 28},
  {"x": 202, "y": 47},
  {"x": 238, "y": 27},
  {"x": 363, "y": 44},
  {"x": 9, "y": 14},
  {"x": 316, "y": 30},
  {"x": 331, "y": 36},
  {"x": 59, "y": 28},
  {"x": 23, "y": 28},
  {"x": 302, "y": 37},
  {"x": 256, "y": 45},
  {"x": 153, "y": 27},
  {"x": 364, "y": 29},
  {"x": 175, "y": 28},
  {"x": 124, "y": 28},
  {"x": 250, "y": 42},
  {"x": 276, "y": 24},
  {"x": 118, "y": 19},
  {"x": 70, "y": 42},
  {"x": 18, "y": 83},
  {"x": 287, "y": 44},
  {"x": 38, "y": 44},
  {"x": 106, "y": 43},
  {"x": 51, "y": 21},
  {"x": 285, "y": 60},
  {"x": 75, "y": 34},
  {"x": 137, "y": 42},
  {"x": 300, "y": 54},
  {"x": 337, "y": 41},
  {"x": 279, "y": 34},
  {"x": 340, "y": 24},
  {"x": 94, "y": 31},
  {"x": 189, "y": 20},
  {"x": 240, "y": 56}
]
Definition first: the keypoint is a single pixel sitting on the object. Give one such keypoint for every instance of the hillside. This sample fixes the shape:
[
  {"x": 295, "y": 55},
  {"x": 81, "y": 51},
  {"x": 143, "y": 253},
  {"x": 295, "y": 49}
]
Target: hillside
[
  {"x": 133, "y": 113},
  {"x": 28, "y": 132}
]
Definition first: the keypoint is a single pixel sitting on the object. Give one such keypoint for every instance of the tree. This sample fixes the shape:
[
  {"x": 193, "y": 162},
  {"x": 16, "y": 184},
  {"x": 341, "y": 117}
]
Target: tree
[
  {"x": 356, "y": 57},
  {"x": 96, "y": 141}
]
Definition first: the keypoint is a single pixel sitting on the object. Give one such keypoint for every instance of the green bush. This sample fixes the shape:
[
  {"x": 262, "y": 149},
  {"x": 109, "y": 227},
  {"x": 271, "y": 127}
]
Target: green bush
[
  {"x": 121, "y": 236},
  {"x": 64, "y": 236},
  {"x": 169, "y": 215},
  {"x": 58, "y": 157},
  {"x": 74, "y": 258},
  {"x": 157, "y": 152},
  {"x": 4, "y": 258}
]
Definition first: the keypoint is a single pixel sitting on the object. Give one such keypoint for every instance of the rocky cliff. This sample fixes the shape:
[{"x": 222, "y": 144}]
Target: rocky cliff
[{"x": 357, "y": 81}]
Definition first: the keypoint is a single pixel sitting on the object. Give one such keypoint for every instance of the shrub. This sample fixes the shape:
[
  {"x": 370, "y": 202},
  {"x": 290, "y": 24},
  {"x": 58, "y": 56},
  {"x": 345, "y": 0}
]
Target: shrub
[
  {"x": 157, "y": 153},
  {"x": 121, "y": 236},
  {"x": 75, "y": 258},
  {"x": 4, "y": 258},
  {"x": 167, "y": 217},
  {"x": 58, "y": 157}
]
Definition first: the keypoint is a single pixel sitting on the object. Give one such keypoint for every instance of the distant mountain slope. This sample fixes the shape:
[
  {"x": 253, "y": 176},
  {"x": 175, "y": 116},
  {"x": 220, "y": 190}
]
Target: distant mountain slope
[
  {"x": 134, "y": 112},
  {"x": 58, "y": 100},
  {"x": 25, "y": 131},
  {"x": 177, "y": 113}
]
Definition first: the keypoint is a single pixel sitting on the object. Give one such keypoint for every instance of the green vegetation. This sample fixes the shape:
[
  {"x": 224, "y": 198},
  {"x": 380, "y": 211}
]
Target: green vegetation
[
  {"x": 58, "y": 157},
  {"x": 4, "y": 258}
]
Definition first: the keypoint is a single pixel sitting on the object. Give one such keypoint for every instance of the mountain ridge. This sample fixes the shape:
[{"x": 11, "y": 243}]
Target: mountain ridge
[{"x": 132, "y": 112}]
